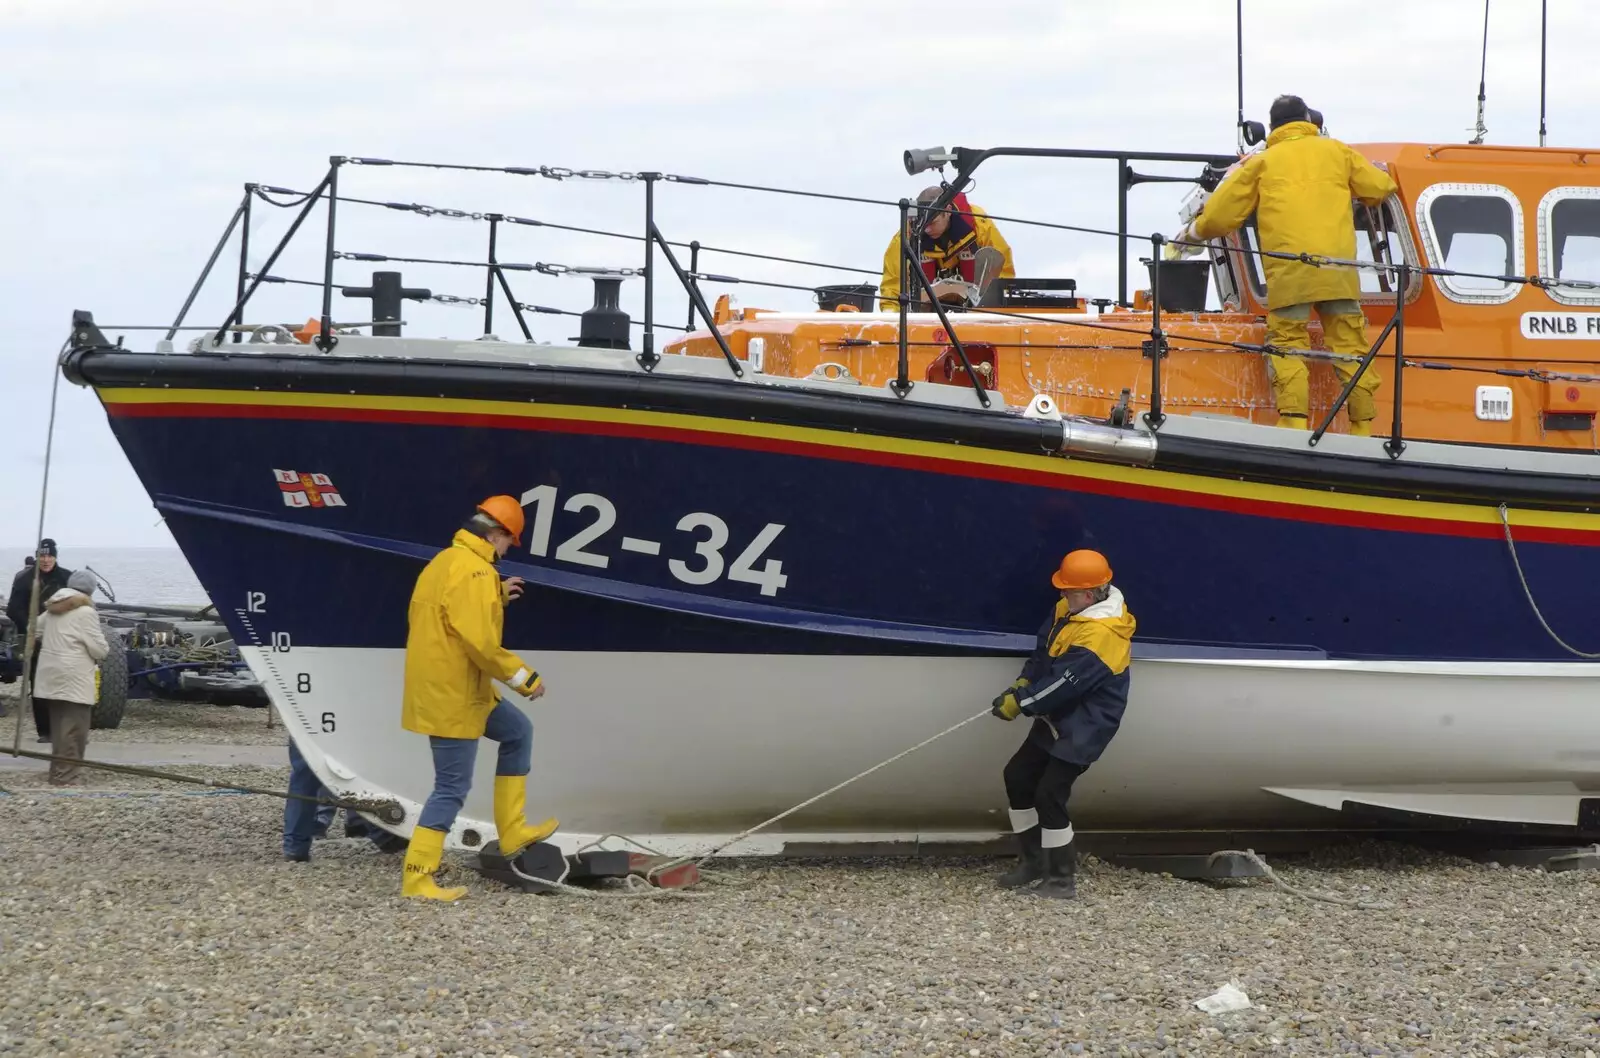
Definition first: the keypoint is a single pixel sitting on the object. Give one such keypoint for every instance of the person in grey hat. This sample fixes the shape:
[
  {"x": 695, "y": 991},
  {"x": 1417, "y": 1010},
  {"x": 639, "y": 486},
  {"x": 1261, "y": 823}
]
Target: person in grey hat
[{"x": 71, "y": 646}]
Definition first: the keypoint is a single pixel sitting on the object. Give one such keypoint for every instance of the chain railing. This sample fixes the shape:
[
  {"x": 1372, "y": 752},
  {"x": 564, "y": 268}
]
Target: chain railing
[{"x": 915, "y": 285}]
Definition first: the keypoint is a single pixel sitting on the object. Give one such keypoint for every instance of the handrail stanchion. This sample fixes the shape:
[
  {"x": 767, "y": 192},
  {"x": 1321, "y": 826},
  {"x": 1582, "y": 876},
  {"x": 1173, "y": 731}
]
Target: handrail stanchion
[
  {"x": 902, "y": 382},
  {"x": 266, "y": 268},
  {"x": 695, "y": 299},
  {"x": 1155, "y": 349},
  {"x": 244, "y": 249},
  {"x": 1122, "y": 232},
  {"x": 1361, "y": 369},
  {"x": 694, "y": 266},
  {"x": 925, "y": 285},
  {"x": 227, "y": 233},
  {"x": 1396, "y": 443},
  {"x": 325, "y": 339},
  {"x": 488, "y": 293},
  {"x": 647, "y": 357}
]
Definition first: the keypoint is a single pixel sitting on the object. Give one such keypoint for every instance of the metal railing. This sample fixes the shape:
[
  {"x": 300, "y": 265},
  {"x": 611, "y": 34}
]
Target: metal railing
[{"x": 915, "y": 284}]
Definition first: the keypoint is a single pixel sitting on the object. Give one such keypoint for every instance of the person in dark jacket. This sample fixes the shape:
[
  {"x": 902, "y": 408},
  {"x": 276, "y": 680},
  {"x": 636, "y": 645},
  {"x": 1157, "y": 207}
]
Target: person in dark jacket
[
  {"x": 1075, "y": 686},
  {"x": 52, "y": 578}
]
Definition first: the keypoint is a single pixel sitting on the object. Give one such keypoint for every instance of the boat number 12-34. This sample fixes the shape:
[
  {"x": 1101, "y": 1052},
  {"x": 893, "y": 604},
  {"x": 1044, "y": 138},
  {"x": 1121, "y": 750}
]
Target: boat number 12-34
[{"x": 711, "y": 535}]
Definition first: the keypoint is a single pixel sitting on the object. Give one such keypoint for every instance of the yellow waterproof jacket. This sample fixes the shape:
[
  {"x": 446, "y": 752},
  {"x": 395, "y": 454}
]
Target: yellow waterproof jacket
[
  {"x": 453, "y": 648},
  {"x": 944, "y": 257},
  {"x": 1300, "y": 189}
]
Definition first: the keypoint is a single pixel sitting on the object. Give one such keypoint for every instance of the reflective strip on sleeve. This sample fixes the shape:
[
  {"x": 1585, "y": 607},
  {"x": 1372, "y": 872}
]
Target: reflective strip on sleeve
[{"x": 1054, "y": 839}]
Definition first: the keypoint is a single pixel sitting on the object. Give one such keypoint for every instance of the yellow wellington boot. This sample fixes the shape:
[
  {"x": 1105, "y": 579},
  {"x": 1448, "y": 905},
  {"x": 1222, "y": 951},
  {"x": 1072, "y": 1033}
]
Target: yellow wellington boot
[
  {"x": 516, "y": 833},
  {"x": 1361, "y": 429},
  {"x": 1293, "y": 422},
  {"x": 422, "y": 859}
]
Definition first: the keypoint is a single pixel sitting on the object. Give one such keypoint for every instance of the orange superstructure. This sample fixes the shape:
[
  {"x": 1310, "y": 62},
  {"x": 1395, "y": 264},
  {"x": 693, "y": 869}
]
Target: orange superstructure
[{"x": 1512, "y": 211}]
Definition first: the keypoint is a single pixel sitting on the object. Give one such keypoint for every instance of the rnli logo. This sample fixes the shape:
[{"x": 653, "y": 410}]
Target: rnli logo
[{"x": 307, "y": 490}]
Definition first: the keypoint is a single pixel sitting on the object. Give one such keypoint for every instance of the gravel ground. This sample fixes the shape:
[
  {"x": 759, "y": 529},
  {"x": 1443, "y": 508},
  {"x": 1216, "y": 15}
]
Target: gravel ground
[
  {"x": 138, "y": 918},
  {"x": 149, "y": 720}
]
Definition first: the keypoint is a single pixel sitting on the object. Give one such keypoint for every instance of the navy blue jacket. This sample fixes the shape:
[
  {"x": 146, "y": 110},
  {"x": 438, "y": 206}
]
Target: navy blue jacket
[{"x": 1078, "y": 679}]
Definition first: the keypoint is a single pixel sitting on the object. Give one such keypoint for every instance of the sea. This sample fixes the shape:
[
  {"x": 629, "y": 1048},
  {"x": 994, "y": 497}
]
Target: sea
[{"x": 148, "y": 576}]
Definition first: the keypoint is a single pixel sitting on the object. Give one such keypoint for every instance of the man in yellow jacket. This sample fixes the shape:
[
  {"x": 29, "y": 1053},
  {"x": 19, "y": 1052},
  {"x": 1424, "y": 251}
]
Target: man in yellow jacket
[
  {"x": 1300, "y": 189},
  {"x": 961, "y": 243},
  {"x": 453, "y": 653}
]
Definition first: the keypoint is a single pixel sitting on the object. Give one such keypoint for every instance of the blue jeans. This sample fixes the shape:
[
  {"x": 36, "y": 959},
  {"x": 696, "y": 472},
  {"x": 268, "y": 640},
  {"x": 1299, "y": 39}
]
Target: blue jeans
[
  {"x": 303, "y": 820},
  {"x": 453, "y": 759}
]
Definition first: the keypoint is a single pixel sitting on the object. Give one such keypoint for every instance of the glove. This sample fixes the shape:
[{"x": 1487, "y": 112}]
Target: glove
[
  {"x": 1174, "y": 251},
  {"x": 1018, "y": 683},
  {"x": 527, "y": 683},
  {"x": 1006, "y": 707}
]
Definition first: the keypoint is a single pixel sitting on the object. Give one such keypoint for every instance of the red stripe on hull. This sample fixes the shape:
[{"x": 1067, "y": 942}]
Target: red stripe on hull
[{"x": 929, "y": 464}]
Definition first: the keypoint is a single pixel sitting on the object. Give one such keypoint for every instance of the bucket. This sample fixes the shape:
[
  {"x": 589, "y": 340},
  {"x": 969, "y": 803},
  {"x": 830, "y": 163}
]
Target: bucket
[
  {"x": 860, "y": 295},
  {"x": 1184, "y": 285}
]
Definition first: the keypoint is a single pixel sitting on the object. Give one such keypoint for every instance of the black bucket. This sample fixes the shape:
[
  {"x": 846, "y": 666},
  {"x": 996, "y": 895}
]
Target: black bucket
[
  {"x": 861, "y": 295},
  {"x": 1184, "y": 285}
]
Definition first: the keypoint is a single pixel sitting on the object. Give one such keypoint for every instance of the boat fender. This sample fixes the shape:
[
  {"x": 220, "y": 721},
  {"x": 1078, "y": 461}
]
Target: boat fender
[{"x": 1042, "y": 406}]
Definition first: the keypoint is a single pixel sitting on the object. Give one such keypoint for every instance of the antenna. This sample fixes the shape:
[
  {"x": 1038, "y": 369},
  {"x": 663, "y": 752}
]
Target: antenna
[
  {"x": 1544, "y": 18},
  {"x": 1483, "y": 68},
  {"x": 1238, "y": 30}
]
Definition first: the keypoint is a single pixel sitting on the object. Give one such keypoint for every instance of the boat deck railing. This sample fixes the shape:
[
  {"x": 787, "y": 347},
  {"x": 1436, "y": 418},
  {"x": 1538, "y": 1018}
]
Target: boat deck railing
[{"x": 1155, "y": 340}]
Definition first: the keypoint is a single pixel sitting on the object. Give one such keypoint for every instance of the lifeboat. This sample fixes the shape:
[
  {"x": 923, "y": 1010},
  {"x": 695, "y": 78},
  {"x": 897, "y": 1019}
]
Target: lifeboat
[{"x": 787, "y": 545}]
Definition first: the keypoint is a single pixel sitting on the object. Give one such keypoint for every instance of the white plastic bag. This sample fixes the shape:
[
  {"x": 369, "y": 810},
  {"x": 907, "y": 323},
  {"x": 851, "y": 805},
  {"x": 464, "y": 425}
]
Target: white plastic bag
[{"x": 1227, "y": 998}]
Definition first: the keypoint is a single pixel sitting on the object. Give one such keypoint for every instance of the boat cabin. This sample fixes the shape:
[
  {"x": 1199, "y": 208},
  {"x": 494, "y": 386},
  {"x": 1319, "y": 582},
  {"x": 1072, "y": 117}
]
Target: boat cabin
[{"x": 1499, "y": 351}]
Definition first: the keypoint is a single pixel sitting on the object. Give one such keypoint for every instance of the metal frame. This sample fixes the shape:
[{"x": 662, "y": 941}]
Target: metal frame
[
  {"x": 1394, "y": 214},
  {"x": 1435, "y": 257},
  {"x": 1547, "y": 248},
  {"x": 968, "y": 160}
]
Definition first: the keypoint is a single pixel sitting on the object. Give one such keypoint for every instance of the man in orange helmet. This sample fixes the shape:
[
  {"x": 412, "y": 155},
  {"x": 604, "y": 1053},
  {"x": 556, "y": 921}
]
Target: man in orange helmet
[
  {"x": 453, "y": 653},
  {"x": 1075, "y": 686}
]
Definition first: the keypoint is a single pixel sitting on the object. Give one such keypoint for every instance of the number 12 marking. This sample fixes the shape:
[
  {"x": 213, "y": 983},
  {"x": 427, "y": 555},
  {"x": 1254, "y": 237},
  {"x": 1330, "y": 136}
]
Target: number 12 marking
[{"x": 769, "y": 578}]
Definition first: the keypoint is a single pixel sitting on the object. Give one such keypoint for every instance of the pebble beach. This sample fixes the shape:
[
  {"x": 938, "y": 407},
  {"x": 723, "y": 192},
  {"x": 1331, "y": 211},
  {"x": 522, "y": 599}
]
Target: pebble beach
[{"x": 138, "y": 917}]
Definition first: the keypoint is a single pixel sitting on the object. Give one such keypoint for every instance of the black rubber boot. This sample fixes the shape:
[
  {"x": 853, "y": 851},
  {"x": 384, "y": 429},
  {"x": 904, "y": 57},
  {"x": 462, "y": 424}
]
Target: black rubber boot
[
  {"x": 1060, "y": 874},
  {"x": 1030, "y": 862}
]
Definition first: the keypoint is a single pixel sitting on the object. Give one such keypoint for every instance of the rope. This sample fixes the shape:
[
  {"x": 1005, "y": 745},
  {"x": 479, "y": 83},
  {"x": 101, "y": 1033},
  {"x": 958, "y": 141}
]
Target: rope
[
  {"x": 26, "y": 701},
  {"x": 1511, "y": 545},
  {"x": 1304, "y": 894},
  {"x": 808, "y": 802}
]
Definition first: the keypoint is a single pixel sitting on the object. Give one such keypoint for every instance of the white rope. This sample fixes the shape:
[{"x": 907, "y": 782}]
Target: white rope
[
  {"x": 1328, "y": 898},
  {"x": 808, "y": 802},
  {"x": 26, "y": 691},
  {"x": 1505, "y": 522}
]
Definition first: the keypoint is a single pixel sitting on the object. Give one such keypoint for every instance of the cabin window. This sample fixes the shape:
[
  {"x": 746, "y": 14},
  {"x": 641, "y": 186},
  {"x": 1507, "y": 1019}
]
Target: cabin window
[
  {"x": 1382, "y": 236},
  {"x": 1569, "y": 242},
  {"x": 1473, "y": 228}
]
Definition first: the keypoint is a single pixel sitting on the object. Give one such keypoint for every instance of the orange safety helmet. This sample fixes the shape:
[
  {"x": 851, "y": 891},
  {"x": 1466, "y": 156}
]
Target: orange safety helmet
[
  {"x": 506, "y": 511},
  {"x": 1081, "y": 570}
]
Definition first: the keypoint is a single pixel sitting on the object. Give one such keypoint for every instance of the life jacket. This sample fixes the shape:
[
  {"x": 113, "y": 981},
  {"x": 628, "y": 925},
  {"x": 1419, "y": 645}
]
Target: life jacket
[{"x": 954, "y": 251}]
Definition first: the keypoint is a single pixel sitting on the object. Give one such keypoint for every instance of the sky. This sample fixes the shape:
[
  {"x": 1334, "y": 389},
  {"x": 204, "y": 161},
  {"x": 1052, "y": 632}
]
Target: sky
[{"x": 132, "y": 125}]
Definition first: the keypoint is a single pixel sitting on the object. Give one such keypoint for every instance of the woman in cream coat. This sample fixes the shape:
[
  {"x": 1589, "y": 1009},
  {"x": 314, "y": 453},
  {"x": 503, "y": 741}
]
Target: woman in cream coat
[{"x": 71, "y": 646}]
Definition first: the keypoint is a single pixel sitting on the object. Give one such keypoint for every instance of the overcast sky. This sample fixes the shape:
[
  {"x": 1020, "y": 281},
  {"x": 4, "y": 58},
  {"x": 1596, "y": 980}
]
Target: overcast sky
[{"x": 131, "y": 126}]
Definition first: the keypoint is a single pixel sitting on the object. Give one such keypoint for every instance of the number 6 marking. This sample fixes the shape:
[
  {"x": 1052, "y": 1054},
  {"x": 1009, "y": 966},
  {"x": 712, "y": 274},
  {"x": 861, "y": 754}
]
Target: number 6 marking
[{"x": 710, "y": 549}]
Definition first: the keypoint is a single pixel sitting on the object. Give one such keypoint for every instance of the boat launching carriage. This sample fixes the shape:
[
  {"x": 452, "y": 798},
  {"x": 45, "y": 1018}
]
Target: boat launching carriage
[{"x": 786, "y": 545}]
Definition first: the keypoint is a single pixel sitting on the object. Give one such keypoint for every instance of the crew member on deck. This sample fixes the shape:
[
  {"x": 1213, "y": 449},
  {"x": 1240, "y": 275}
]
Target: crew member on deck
[
  {"x": 1300, "y": 189},
  {"x": 960, "y": 243},
  {"x": 1075, "y": 686},
  {"x": 453, "y": 653}
]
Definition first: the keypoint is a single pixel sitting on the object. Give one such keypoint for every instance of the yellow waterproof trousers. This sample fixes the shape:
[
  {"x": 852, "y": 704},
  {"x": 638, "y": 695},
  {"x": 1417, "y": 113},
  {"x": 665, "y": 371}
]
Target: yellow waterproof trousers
[{"x": 1344, "y": 331}]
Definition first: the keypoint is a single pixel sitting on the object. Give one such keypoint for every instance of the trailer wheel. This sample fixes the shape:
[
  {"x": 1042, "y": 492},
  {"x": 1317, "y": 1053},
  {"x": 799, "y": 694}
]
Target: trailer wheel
[{"x": 111, "y": 683}]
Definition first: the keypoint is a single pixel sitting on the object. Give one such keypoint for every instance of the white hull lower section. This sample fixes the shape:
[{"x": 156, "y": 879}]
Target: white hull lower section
[{"x": 679, "y": 750}]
